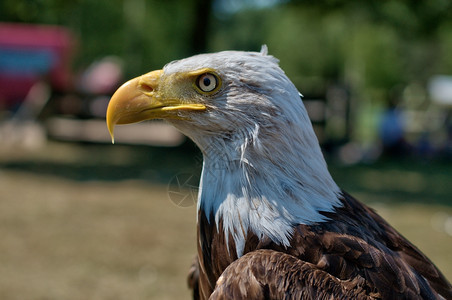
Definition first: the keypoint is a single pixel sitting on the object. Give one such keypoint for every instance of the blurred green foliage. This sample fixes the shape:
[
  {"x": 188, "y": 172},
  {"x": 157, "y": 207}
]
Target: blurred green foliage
[
  {"x": 370, "y": 45},
  {"x": 146, "y": 34}
]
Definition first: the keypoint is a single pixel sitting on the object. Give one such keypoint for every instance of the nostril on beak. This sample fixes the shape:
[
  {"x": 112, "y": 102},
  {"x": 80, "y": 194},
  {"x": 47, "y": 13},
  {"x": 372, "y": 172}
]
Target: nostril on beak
[
  {"x": 146, "y": 88},
  {"x": 148, "y": 83}
]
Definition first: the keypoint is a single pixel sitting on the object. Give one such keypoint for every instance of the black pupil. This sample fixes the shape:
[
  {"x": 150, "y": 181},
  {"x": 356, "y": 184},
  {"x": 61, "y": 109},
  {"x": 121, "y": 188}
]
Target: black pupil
[{"x": 206, "y": 81}]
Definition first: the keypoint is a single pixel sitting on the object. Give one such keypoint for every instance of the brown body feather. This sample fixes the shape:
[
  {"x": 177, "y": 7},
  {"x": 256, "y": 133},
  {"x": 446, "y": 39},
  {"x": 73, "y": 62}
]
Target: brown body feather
[{"x": 356, "y": 254}]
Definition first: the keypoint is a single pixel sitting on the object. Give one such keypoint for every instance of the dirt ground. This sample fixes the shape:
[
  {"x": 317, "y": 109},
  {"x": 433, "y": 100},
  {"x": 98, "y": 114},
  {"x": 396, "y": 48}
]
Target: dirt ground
[
  {"x": 69, "y": 240},
  {"x": 66, "y": 238}
]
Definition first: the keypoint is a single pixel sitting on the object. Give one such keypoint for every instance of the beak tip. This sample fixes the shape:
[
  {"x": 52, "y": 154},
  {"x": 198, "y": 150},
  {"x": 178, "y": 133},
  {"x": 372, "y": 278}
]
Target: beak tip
[{"x": 111, "y": 127}]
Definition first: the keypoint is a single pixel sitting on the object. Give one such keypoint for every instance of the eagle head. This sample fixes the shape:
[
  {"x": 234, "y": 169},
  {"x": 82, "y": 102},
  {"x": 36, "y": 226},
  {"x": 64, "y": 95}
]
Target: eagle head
[{"x": 220, "y": 96}]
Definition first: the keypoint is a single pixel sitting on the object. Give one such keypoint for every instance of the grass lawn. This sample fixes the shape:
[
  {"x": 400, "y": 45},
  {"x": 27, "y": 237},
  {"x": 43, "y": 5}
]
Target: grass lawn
[{"x": 96, "y": 221}]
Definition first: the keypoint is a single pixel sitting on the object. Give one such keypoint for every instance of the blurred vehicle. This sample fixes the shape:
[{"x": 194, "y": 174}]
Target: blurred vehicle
[
  {"x": 29, "y": 54},
  {"x": 41, "y": 97}
]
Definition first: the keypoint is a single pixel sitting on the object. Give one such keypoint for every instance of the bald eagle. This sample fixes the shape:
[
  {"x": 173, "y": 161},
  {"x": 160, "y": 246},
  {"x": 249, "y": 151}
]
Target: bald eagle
[{"x": 271, "y": 223}]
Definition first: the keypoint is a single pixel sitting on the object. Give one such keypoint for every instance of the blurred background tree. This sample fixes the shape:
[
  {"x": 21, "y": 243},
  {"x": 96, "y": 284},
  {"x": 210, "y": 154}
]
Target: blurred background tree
[
  {"x": 382, "y": 42},
  {"x": 376, "y": 44},
  {"x": 371, "y": 48}
]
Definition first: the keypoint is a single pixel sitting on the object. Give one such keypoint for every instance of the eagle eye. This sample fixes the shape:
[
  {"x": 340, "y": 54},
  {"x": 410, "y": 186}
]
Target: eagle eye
[{"x": 207, "y": 82}]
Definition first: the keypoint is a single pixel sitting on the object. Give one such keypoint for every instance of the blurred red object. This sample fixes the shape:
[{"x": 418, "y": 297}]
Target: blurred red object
[{"x": 29, "y": 53}]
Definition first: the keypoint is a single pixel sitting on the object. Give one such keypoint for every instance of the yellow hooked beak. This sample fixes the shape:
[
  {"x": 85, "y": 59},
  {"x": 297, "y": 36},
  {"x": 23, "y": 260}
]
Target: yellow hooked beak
[{"x": 140, "y": 99}]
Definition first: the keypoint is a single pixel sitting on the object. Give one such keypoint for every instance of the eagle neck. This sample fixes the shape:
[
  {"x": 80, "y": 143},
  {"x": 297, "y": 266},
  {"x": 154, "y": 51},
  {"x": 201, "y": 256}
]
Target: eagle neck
[{"x": 250, "y": 193}]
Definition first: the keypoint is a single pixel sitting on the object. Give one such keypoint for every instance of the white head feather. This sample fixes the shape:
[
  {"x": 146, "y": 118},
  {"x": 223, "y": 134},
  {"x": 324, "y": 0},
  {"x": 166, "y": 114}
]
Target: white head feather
[{"x": 263, "y": 168}]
